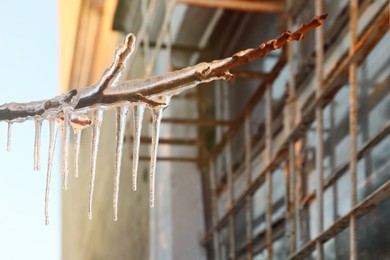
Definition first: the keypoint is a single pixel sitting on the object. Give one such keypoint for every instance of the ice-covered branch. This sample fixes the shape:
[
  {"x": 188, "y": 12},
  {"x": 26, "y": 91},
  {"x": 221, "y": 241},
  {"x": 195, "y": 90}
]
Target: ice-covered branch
[
  {"x": 71, "y": 110},
  {"x": 141, "y": 90}
]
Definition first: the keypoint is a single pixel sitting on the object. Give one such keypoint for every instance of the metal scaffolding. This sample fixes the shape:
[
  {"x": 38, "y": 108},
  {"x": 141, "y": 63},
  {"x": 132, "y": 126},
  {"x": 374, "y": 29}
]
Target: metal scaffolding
[{"x": 293, "y": 138}]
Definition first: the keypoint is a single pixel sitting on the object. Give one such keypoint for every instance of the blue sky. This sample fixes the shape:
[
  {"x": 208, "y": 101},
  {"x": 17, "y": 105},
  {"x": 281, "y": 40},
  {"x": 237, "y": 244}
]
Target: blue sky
[{"x": 28, "y": 71}]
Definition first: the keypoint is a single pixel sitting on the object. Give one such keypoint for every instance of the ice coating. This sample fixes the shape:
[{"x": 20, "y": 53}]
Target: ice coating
[
  {"x": 37, "y": 145},
  {"x": 49, "y": 166},
  {"x": 97, "y": 123},
  {"x": 121, "y": 113},
  {"x": 138, "y": 114},
  {"x": 65, "y": 125},
  {"x": 20, "y": 112},
  {"x": 9, "y": 131}
]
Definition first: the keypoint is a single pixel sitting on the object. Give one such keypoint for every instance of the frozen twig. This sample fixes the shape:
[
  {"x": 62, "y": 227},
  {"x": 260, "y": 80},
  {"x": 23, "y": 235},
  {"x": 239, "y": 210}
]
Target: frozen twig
[{"x": 144, "y": 90}]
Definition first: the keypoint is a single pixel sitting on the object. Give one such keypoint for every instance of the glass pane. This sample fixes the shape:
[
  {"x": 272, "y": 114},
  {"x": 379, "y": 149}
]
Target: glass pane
[
  {"x": 337, "y": 248},
  {"x": 373, "y": 235}
]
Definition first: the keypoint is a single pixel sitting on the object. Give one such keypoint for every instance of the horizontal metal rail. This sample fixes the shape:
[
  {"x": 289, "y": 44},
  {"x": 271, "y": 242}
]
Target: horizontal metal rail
[{"x": 241, "y": 5}]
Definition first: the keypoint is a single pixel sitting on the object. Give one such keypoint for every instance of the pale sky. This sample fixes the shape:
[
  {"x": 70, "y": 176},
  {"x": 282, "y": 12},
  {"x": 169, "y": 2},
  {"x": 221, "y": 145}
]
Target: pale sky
[{"x": 28, "y": 71}]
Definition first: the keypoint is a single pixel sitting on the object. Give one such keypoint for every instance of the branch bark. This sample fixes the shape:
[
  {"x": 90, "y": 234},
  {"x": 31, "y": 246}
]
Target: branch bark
[{"x": 106, "y": 92}]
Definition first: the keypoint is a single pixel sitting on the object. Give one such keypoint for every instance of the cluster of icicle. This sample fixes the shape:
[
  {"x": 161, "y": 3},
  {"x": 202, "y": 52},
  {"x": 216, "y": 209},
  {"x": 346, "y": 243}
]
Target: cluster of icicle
[
  {"x": 68, "y": 118},
  {"x": 78, "y": 120}
]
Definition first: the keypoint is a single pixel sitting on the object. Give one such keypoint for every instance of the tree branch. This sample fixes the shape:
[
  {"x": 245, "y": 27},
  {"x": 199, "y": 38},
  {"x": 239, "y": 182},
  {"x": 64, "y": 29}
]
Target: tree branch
[{"x": 106, "y": 92}]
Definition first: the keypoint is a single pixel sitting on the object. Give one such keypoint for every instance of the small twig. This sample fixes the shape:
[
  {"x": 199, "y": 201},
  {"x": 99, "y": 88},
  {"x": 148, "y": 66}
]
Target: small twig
[
  {"x": 143, "y": 90},
  {"x": 122, "y": 52}
]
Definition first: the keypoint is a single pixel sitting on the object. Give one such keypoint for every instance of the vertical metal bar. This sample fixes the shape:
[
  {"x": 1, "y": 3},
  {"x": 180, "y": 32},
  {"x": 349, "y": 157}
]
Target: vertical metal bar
[
  {"x": 218, "y": 108},
  {"x": 229, "y": 164},
  {"x": 168, "y": 37},
  {"x": 353, "y": 117},
  {"x": 291, "y": 200},
  {"x": 214, "y": 210},
  {"x": 335, "y": 189},
  {"x": 288, "y": 202},
  {"x": 144, "y": 30},
  {"x": 161, "y": 35},
  {"x": 145, "y": 20},
  {"x": 291, "y": 68},
  {"x": 248, "y": 173},
  {"x": 268, "y": 147},
  {"x": 320, "y": 178},
  {"x": 298, "y": 192},
  {"x": 319, "y": 45},
  {"x": 291, "y": 122}
]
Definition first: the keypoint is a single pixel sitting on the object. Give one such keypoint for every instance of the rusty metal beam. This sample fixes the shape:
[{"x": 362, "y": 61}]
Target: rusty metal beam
[
  {"x": 353, "y": 126},
  {"x": 268, "y": 174},
  {"x": 171, "y": 159},
  {"x": 243, "y": 5},
  {"x": 168, "y": 141},
  {"x": 248, "y": 176},
  {"x": 214, "y": 208},
  {"x": 199, "y": 122},
  {"x": 319, "y": 150}
]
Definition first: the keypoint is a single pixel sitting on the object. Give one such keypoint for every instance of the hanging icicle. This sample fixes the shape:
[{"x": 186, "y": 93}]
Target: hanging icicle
[
  {"x": 156, "y": 121},
  {"x": 138, "y": 115},
  {"x": 157, "y": 115},
  {"x": 97, "y": 121},
  {"x": 37, "y": 144},
  {"x": 76, "y": 147},
  {"x": 78, "y": 122},
  {"x": 121, "y": 113},
  {"x": 65, "y": 125},
  {"x": 52, "y": 142},
  {"x": 9, "y": 131}
]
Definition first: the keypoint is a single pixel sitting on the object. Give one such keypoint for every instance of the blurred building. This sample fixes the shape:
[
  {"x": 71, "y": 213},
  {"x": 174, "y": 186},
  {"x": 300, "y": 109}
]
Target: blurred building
[{"x": 289, "y": 160}]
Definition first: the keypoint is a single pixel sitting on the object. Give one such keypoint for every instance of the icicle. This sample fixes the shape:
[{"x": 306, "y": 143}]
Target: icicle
[
  {"x": 9, "y": 136},
  {"x": 78, "y": 123},
  {"x": 97, "y": 121},
  {"x": 156, "y": 114},
  {"x": 138, "y": 114},
  {"x": 77, "y": 140},
  {"x": 37, "y": 145},
  {"x": 65, "y": 145},
  {"x": 49, "y": 166},
  {"x": 121, "y": 113}
]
